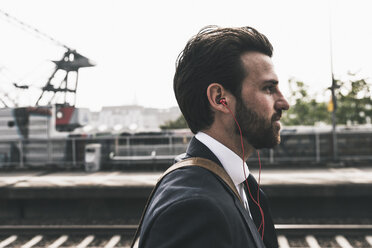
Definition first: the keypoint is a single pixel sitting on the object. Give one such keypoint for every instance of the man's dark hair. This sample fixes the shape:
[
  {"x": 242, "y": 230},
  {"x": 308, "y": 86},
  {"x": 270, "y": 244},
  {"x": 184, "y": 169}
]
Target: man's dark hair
[{"x": 213, "y": 56}]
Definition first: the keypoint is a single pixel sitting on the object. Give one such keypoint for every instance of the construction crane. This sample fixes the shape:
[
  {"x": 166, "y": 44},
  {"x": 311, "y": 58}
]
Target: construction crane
[
  {"x": 70, "y": 63},
  {"x": 67, "y": 116}
]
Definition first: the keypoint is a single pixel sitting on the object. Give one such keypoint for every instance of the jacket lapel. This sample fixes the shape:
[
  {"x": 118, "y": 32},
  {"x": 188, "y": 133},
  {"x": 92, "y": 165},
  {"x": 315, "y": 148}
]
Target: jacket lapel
[
  {"x": 252, "y": 227},
  {"x": 270, "y": 238},
  {"x": 198, "y": 149}
]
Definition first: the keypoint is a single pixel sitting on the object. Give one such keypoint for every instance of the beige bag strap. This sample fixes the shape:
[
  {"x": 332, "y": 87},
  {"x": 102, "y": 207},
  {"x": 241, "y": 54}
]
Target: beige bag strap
[{"x": 195, "y": 161}]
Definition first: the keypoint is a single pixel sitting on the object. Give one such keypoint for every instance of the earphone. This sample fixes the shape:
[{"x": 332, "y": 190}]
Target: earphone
[{"x": 224, "y": 103}]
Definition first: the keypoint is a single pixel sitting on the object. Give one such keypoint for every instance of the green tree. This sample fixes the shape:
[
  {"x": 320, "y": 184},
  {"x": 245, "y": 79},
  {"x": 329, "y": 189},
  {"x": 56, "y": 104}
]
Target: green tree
[
  {"x": 179, "y": 123},
  {"x": 354, "y": 104},
  {"x": 304, "y": 110}
]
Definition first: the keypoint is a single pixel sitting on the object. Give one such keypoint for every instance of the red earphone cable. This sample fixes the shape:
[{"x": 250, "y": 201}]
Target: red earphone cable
[
  {"x": 258, "y": 193},
  {"x": 222, "y": 101}
]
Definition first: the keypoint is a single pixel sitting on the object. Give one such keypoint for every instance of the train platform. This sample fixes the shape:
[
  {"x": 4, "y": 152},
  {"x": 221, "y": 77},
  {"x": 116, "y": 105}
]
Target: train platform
[
  {"x": 121, "y": 184},
  {"x": 313, "y": 196}
]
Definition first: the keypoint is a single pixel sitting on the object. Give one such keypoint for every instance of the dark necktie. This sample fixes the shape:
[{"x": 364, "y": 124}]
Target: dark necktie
[{"x": 270, "y": 238}]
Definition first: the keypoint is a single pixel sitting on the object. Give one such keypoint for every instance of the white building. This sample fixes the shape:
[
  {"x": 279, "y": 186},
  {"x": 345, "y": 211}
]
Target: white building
[{"x": 133, "y": 118}]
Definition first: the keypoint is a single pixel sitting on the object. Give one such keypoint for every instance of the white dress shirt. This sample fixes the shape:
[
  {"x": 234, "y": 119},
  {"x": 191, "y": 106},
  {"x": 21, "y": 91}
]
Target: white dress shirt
[{"x": 230, "y": 161}]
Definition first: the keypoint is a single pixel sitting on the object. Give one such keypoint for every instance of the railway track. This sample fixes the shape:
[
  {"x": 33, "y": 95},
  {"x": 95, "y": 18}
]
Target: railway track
[
  {"x": 55, "y": 236},
  {"x": 80, "y": 236},
  {"x": 319, "y": 236}
]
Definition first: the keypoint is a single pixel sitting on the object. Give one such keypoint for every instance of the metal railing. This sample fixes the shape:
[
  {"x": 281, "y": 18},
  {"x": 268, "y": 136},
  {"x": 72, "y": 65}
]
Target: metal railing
[{"x": 315, "y": 147}]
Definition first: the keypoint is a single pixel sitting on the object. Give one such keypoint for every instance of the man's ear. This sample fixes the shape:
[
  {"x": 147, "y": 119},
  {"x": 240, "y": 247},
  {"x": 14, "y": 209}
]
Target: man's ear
[{"x": 216, "y": 92}]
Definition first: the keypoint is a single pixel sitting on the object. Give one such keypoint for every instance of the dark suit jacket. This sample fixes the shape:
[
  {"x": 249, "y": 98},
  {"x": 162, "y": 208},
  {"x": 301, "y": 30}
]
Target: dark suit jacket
[{"x": 194, "y": 208}]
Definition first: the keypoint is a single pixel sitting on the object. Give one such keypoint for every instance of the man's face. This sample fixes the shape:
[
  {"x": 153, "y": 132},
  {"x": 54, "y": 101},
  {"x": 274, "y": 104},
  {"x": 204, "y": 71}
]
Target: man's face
[{"x": 260, "y": 106}]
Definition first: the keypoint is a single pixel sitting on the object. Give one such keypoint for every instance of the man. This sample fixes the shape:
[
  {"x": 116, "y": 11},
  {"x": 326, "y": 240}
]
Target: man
[{"x": 222, "y": 74}]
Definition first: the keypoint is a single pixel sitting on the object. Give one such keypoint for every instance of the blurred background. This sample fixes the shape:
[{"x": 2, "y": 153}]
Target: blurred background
[{"x": 89, "y": 121}]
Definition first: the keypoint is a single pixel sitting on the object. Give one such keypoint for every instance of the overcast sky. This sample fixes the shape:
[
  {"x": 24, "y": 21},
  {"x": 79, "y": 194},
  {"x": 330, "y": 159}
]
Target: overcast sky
[{"x": 135, "y": 43}]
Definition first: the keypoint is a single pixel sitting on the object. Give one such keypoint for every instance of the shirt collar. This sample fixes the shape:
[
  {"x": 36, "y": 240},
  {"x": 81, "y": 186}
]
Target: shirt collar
[{"x": 230, "y": 161}]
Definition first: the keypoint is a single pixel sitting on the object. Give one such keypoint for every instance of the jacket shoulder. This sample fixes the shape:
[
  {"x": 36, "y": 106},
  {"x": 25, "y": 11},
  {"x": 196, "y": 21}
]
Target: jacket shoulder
[
  {"x": 192, "y": 207},
  {"x": 191, "y": 181},
  {"x": 190, "y": 200}
]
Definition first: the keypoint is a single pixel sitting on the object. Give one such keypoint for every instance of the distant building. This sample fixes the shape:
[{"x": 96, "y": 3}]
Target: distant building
[{"x": 132, "y": 118}]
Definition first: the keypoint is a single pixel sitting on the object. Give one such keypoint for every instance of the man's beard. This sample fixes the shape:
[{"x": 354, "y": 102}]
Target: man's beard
[{"x": 258, "y": 131}]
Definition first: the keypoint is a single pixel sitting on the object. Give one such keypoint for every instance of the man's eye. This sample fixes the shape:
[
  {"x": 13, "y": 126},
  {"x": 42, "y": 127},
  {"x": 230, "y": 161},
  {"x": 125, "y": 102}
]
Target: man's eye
[{"x": 270, "y": 89}]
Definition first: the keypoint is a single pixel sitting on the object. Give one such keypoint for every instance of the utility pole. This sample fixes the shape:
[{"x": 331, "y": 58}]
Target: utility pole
[
  {"x": 333, "y": 88},
  {"x": 334, "y": 120}
]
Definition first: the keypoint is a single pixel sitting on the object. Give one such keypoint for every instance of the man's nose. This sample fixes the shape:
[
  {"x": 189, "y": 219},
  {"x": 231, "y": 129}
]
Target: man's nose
[{"x": 282, "y": 103}]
